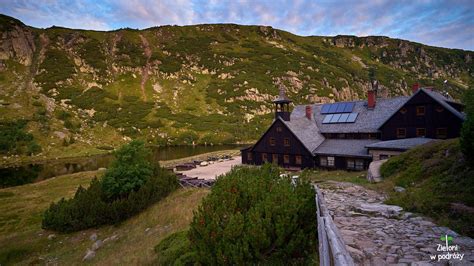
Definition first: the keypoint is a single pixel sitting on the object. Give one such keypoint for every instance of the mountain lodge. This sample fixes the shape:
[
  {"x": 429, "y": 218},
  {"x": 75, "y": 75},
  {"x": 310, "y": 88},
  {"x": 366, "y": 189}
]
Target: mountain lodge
[{"x": 349, "y": 135}]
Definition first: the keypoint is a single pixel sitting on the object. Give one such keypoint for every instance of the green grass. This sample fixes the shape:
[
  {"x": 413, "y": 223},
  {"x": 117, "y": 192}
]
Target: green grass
[{"x": 23, "y": 241}]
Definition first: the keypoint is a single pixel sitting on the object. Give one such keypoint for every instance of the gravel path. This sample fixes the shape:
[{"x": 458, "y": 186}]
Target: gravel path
[
  {"x": 213, "y": 170},
  {"x": 379, "y": 234}
]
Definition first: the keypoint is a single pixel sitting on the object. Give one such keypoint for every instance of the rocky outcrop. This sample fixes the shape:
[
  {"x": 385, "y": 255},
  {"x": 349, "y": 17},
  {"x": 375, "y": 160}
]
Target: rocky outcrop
[{"x": 17, "y": 43}]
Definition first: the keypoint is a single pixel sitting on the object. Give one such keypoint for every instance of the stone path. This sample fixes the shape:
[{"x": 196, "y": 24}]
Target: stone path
[{"x": 379, "y": 234}]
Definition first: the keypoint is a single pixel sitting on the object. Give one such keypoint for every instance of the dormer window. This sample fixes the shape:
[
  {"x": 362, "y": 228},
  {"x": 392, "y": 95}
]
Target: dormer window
[{"x": 420, "y": 110}]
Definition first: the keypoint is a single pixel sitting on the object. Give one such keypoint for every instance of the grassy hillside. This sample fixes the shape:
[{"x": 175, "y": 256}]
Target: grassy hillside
[
  {"x": 438, "y": 184},
  {"x": 23, "y": 241},
  {"x": 202, "y": 83}
]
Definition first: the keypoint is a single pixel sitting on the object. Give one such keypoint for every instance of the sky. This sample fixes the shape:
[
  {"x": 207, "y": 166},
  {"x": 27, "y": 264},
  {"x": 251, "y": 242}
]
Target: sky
[{"x": 438, "y": 23}]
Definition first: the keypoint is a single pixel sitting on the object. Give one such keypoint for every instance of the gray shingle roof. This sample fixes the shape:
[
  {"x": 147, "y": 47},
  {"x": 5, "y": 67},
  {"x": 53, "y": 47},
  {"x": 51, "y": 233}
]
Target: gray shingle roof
[
  {"x": 306, "y": 131},
  {"x": 399, "y": 144},
  {"x": 345, "y": 147},
  {"x": 368, "y": 121}
]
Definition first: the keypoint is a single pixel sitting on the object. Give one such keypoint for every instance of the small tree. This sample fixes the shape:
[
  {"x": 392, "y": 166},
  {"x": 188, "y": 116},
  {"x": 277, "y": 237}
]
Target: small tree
[
  {"x": 129, "y": 171},
  {"x": 467, "y": 132}
]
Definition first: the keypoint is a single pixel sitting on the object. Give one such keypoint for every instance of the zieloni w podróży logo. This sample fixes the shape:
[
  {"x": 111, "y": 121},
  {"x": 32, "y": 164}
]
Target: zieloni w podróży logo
[{"x": 447, "y": 251}]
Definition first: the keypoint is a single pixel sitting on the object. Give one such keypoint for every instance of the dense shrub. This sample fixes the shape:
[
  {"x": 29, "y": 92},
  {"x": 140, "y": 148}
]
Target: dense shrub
[
  {"x": 14, "y": 139},
  {"x": 129, "y": 171},
  {"x": 255, "y": 216},
  {"x": 467, "y": 132},
  {"x": 93, "y": 206}
]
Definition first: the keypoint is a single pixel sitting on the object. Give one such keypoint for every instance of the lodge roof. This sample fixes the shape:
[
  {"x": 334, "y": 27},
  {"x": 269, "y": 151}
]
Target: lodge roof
[
  {"x": 306, "y": 131},
  {"x": 399, "y": 144},
  {"x": 368, "y": 120},
  {"x": 345, "y": 147}
]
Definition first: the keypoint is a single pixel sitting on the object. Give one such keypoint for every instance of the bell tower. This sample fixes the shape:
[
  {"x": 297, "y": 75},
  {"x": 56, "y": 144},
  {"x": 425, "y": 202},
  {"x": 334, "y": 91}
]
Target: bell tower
[{"x": 282, "y": 105}]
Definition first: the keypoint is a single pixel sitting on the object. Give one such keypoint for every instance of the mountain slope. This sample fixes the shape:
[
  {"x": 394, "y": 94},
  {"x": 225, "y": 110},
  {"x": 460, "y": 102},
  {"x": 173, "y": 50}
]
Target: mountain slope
[{"x": 203, "y": 83}]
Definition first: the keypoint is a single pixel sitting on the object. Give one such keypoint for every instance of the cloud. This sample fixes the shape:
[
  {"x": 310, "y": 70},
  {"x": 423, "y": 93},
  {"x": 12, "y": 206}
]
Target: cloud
[{"x": 439, "y": 23}]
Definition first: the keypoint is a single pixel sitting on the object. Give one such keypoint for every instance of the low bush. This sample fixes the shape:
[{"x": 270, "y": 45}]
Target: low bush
[
  {"x": 112, "y": 201},
  {"x": 255, "y": 216},
  {"x": 175, "y": 250},
  {"x": 14, "y": 139}
]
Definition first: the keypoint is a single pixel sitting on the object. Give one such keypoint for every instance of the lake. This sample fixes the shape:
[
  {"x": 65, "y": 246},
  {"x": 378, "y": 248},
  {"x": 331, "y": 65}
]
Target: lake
[{"x": 29, "y": 173}]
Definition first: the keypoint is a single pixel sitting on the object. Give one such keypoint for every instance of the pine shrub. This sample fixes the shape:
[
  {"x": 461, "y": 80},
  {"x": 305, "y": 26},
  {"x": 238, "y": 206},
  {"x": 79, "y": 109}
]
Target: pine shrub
[
  {"x": 95, "y": 205},
  {"x": 255, "y": 216}
]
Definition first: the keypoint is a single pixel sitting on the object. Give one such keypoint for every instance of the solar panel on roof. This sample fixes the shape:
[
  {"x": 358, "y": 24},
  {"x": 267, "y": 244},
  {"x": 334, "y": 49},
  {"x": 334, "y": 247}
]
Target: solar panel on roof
[
  {"x": 327, "y": 118},
  {"x": 334, "y": 118},
  {"x": 343, "y": 118},
  {"x": 349, "y": 107},
  {"x": 325, "y": 109},
  {"x": 340, "y": 107},
  {"x": 333, "y": 108},
  {"x": 352, "y": 117}
]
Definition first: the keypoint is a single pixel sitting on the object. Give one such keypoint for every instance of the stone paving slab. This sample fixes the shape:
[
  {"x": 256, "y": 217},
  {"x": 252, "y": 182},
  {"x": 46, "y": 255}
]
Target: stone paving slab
[{"x": 380, "y": 234}]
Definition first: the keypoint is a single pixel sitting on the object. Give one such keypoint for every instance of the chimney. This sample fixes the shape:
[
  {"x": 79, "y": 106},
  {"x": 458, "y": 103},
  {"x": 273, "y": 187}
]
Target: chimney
[
  {"x": 309, "y": 112},
  {"x": 371, "y": 99},
  {"x": 415, "y": 87}
]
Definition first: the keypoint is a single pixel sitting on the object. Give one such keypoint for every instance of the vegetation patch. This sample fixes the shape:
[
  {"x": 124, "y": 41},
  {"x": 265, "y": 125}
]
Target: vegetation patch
[
  {"x": 15, "y": 140},
  {"x": 129, "y": 186},
  {"x": 438, "y": 183},
  {"x": 252, "y": 215}
]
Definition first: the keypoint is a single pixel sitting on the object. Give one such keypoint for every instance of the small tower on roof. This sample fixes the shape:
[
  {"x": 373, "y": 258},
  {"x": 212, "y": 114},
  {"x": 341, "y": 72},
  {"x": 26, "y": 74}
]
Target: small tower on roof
[{"x": 282, "y": 105}]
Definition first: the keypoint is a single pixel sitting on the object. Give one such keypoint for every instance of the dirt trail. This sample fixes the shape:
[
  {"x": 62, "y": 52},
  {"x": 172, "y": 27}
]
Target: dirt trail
[
  {"x": 145, "y": 68},
  {"x": 379, "y": 234}
]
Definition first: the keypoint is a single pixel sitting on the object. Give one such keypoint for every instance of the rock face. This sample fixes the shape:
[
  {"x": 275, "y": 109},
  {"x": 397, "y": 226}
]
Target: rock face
[
  {"x": 17, "y": 42},
  {"x": 380, "y": 234}
]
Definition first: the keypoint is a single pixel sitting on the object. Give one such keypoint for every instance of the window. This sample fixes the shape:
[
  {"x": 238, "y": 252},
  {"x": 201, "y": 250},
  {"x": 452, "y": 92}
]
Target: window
[
  {"x": 323, "y": 161},
  {"x": 372, "y": 136},
  {"x": 341, "y": 136},
  {"x": 264, "y": 157},
  {"x": 350, "y": 163},
  {"x": 286, "y": 159},
  {"x": 330, "y": 161},
  {"x": 441, "y": 133},
  {"x": 403, "y": 110},
  {"x": 420, "y": 110},
  {"x": 275, "y": 158},
  {"x": 272, "y": 141},
  {"x": 359, "y": 164},
  {"x": 286, "y": 142},
  {"x": 298, "y": 159},
  {"x": 401, "y": 133},
  {"x": 355, "y": 164},
  {"x": 249, "y": 156},
  {"x": 420, "y": 132},
  {"x": 279, "y": 129},
  {"x": 439, "y": 109},
  {"x": 383, "y": 156}
]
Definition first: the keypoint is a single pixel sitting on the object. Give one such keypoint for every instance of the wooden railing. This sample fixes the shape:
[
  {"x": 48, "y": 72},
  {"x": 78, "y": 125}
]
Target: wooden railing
[{"x": 332, "y": 250}]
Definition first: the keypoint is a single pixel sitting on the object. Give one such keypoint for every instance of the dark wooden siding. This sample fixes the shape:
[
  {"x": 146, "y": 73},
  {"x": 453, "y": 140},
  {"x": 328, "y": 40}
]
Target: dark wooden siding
[
  {"x": 430, "y": 121},
  {"x": 296, "y": 148}
]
